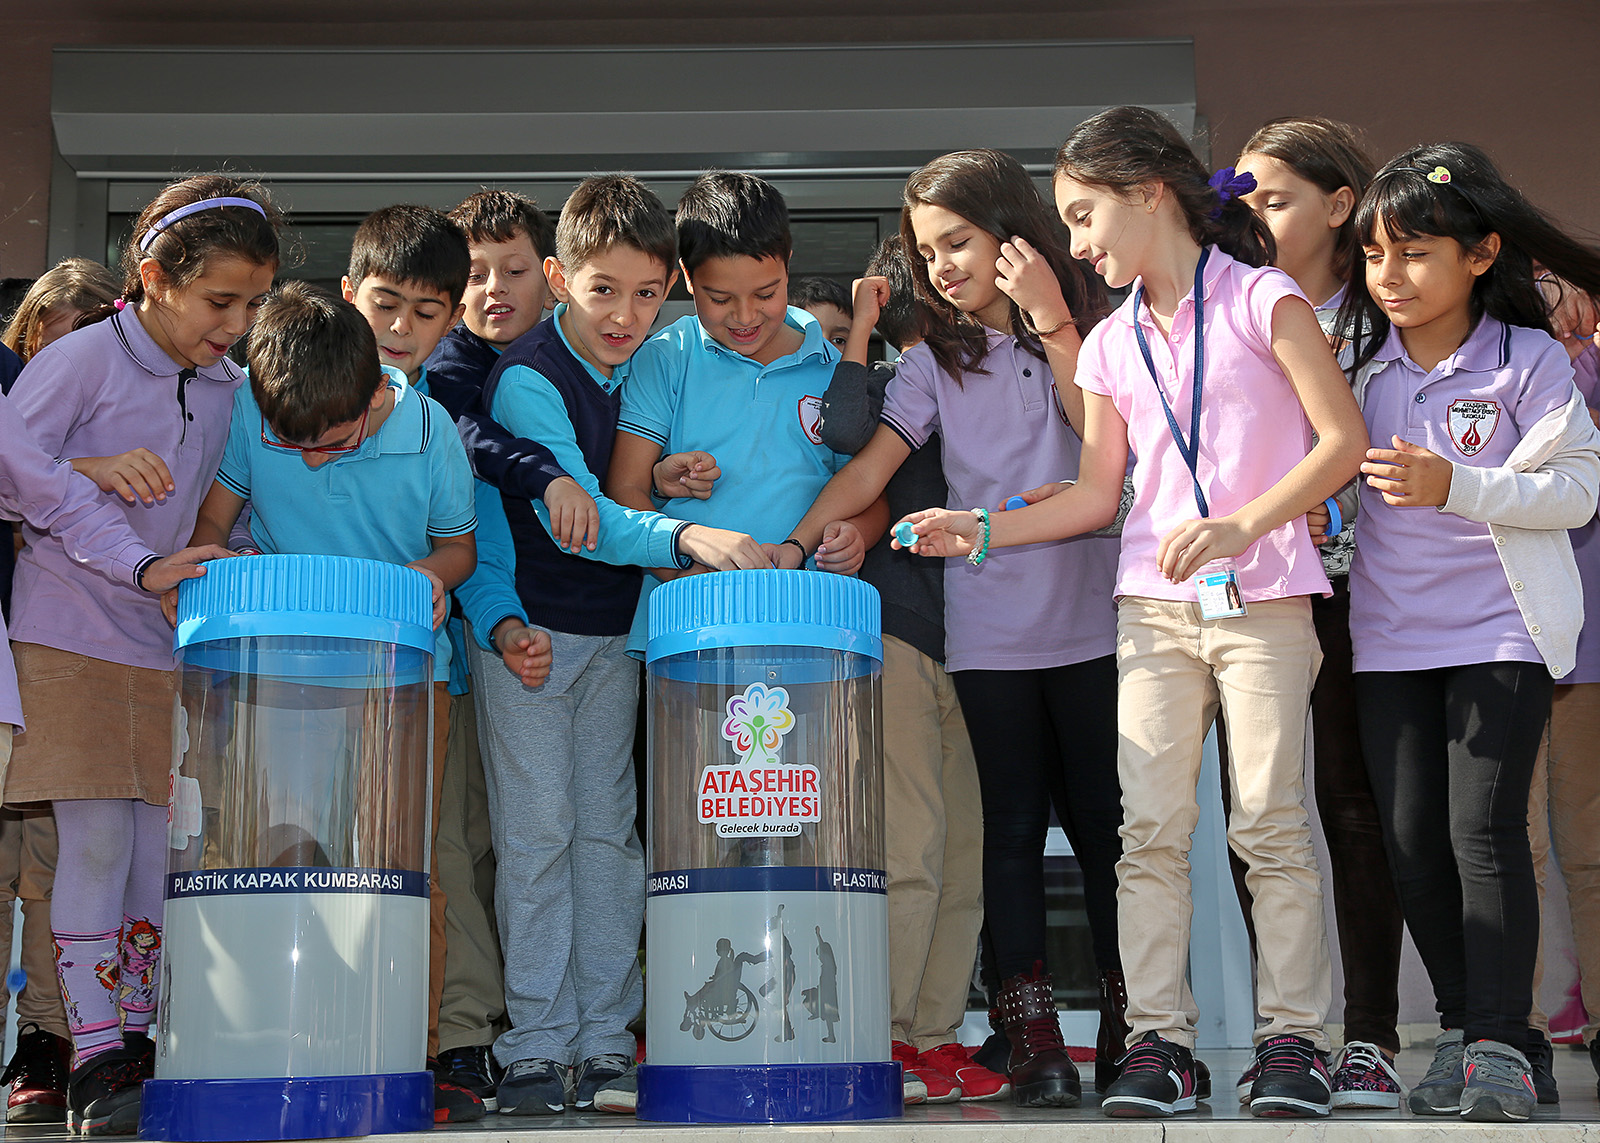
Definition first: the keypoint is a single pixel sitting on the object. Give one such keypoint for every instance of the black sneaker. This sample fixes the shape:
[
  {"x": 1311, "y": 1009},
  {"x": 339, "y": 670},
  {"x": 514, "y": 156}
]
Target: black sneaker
[
  {"x": 452, "y": 1103},
  {"x": 1541, "y": 1059},
  {"x": 476, "y": 1070},
  {"x": 103, "y": 1094},
  {"x": 1157, "y": 1080},
  {"x": 598, "y": 1072},
  {"x": 535, "y": 1087},
  {"x": 37, "y": 1074},
  {"x": 1293, "y": 1080}
]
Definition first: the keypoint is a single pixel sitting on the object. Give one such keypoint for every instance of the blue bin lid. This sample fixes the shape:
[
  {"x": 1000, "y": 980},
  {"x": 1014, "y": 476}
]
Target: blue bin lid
[
  {"x": 765, "y": 609},
  {"x": 332, "y": 596}
]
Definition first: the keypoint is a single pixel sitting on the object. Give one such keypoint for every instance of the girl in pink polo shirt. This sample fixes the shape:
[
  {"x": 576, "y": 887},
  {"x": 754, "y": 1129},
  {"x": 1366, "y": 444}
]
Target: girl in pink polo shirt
[
  {"x": 1465, "y": 601},
  {"x": 1214, "y": 374},
  {"x": 139, "y": 403}
]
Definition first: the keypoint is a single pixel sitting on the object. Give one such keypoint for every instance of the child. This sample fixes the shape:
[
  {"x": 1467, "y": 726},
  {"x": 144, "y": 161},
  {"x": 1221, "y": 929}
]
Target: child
[
  {"x": 1029, "y": 638},
  {"x": 1462, "y": 616},
  {"x": 408, "y": 271},
  {"x": 570, "y": 896},
  {"x": 1309, "y": 174},
  {"x": 54, "y": 303},
  {"x": 1141, "y": 210},
  {"x": 55, "y": 499},
  {"x": 740, "y": 383},
  {"x": 141, "y": 402},
  {"x": 827, "y": 301},
  {"x": 934, "y": 839}
]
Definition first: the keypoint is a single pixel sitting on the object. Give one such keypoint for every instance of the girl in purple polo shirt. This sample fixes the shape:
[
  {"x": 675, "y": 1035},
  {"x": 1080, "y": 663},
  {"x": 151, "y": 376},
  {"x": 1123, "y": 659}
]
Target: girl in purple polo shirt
[
  {"x": 1465, "y": 601},
  {"x": 1214, "y": 375},
  {"x": 140, "y": 404},
  {"x": 1029, "y": 636}
]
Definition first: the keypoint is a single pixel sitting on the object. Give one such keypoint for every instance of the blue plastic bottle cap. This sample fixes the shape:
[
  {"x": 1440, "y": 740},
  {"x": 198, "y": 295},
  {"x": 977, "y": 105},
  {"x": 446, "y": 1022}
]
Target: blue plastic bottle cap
[
  {"x": 904, "y": 533},
  {"x": 765, "y": 609},
  {"x": 1014, "y": 503},
  {"x": 16, "y": 980}
]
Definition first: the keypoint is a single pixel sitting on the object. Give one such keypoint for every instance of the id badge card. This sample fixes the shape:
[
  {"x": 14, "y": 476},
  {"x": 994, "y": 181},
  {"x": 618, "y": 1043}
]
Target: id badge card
[{"x": 1217, "y": 587}]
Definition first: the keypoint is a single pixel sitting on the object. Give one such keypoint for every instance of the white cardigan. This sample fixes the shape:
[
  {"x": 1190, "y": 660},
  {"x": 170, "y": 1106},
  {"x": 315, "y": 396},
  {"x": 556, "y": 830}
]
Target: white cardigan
[{"x": 1549, "y": 483}]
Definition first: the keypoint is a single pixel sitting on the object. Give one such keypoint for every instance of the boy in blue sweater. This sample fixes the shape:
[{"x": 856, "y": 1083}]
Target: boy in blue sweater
[{"x": 570, "y": 896}]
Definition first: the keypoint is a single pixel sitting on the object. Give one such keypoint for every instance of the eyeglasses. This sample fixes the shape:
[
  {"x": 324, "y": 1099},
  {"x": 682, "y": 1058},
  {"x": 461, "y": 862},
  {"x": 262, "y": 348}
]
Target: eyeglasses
[{"x": 330, "y": 450}]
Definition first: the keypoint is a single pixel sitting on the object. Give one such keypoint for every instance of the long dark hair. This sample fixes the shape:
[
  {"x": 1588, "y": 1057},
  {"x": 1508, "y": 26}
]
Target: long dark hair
[
  {"x": 1125, "y": 147},
  {"x": 1328, "y": 155},
  {"x": 991, "y": 190},
  {"x": 1453, "y": 190}
]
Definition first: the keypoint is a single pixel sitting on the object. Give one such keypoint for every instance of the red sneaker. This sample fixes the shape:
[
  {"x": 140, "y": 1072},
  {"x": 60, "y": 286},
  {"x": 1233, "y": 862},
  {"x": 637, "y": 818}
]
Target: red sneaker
[
  {"x": 941, "y": 1088},
  {"x": 976, "y": 1082}
]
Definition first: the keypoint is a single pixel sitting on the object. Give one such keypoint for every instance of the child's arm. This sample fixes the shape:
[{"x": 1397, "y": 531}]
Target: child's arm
[
  {"x": 1302, "y": 351},
  {"x": 489, "y": 599},
  {"x": 515, "y": 465},
  {"x": 851, "y": 492},
  {"x": 218, "y": 512},
  {"x": 138, "y": 474},
  {"x": 867, "y": 298},
  {"x": 845, "y": 542},
  {"x": 1084, "y": 506},
  {"x": 629, "y": 479},
  {"x": 447, "y": 567},
  {"x": 1027, "y": 279}
]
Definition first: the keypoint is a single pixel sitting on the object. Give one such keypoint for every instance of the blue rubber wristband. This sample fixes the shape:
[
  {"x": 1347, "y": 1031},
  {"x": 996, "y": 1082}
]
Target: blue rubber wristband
[{"x": 1335, "y": 518}]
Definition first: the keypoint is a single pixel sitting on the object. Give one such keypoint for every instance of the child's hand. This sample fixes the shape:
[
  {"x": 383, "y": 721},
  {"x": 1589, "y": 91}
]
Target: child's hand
[
  {"x": 1043, "y": 492},
  {"x": 868, "y": 296},
  {"x": 686, "y": 474},
  {"x": 1317, "y": 520},
  {"x": 441, "y": 597},
  {"x": 842, "y": 549},
  {"x": 1027, "y": 279},
  {"x": 164, "y": 576},
  {"x": 1408, "y": 475},
  {"x": 785, "y": 556},
  {"x": 574, "y": 519},
  {"x": 720, "y": 549},
  {"x": 941, "y": 532},
  {"x": 139, "y": 474},
  {"x": 524, "y": 650},
  {"x": 1195, "y": 543}
]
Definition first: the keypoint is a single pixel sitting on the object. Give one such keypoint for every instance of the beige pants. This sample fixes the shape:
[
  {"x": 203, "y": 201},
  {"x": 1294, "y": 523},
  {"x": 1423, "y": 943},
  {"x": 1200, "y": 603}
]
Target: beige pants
[
  {"x": 27, "y": 868},
  {"x": 473, "y": 1009},
  {"x": 1564, "y": 808},
  {"x": 934, "y": 819},
  {"x": 436, "y": 897},
  {"x": 1175, "y": 671}
]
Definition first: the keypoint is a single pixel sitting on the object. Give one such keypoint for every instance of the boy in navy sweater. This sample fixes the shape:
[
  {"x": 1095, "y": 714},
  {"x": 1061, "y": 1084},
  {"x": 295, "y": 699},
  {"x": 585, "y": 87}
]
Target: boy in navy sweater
[{"x": 559, "y": 761}]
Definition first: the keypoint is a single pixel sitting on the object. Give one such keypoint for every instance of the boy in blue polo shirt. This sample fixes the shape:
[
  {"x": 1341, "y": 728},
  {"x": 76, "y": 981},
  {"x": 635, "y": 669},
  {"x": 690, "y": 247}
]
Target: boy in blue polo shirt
[
  {"x": 559, "y": 756},
  {"x": 338, "y": 455},
  {"x": 741, "y": 382}
]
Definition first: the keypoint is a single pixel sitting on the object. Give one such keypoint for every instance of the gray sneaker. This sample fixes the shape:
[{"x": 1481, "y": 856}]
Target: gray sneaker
[
  {"x": 1439, "y": 1091},
  {"x": 535, "y": 1087},
  {"x": 598, "y": 1073},
  {"x": 619, "y": 1096},
  {"x": 1498, "y": 1087}
]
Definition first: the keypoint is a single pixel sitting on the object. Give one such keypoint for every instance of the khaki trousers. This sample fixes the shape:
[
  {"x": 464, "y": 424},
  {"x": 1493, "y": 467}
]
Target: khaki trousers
[
  {"x": 1564, "y": 809},
  {"x": 1175, "y": 672},
  {"x": 436, "y": 898},
  {"x": 473, "y": 1009},
  {"x": 934, "y": 818},
  {"x": 27, "y": 869}
]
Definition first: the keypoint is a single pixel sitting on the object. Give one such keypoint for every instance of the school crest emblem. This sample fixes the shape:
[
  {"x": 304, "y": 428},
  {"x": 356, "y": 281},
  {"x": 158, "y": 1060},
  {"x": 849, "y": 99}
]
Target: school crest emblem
[
  {"x": 1472, "y": 423},
  {"x": 811, "y": 418}
]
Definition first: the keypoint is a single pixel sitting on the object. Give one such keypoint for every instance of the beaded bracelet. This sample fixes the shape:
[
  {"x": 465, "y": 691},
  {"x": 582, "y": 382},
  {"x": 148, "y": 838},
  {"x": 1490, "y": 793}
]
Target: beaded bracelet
[{"x": 975, "y": 557}]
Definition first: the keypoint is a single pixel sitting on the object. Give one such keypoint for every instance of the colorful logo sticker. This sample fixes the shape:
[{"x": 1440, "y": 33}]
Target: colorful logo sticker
[
  {"x": 811, "y": 418},
  {"x": 1472, "y": 424},
  {"x": 761, "y": 796}
]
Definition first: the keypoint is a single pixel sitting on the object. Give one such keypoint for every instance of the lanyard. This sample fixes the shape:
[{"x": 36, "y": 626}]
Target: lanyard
[{"x": 1190, "y": 449}]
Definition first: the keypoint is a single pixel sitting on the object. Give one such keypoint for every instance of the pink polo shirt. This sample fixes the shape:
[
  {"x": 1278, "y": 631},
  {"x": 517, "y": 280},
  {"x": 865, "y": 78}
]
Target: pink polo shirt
[
  {"x": 1427, "y": 588},
  {"x": 1252, "y": 428},
  {"x": 102, "y": 391}
]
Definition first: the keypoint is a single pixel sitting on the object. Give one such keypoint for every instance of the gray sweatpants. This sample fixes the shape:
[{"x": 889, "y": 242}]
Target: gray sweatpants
[{"x": 569, "y": 894}]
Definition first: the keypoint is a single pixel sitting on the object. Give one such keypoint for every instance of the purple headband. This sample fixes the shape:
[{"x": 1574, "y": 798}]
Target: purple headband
[
  {"x": 167, "y": 220},
  {"x": 1230, "y": 184}
]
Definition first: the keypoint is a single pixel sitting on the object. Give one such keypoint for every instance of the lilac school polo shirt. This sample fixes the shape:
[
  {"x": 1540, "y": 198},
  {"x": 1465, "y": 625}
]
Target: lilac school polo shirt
[
  {"x": 102, "y": 391},
  {"x": 1023, "y": 608},
  {"x": 1252, "y": 428},
  {"x": 1586, "y": 542},
  {"x": 53, "y": 496},
  {"x": 1427, "y": 588}
]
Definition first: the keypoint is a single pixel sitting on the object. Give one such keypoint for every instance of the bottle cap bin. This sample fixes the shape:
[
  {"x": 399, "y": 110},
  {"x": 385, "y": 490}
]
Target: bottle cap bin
[
  {"x": 294, "y": 991},
  {"x": 767, "y": 995}
]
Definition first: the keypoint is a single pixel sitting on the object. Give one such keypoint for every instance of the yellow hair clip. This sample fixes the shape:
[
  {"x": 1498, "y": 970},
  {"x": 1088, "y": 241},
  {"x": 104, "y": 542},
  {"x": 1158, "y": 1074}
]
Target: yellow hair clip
[{"x": 1439, "y": 175}]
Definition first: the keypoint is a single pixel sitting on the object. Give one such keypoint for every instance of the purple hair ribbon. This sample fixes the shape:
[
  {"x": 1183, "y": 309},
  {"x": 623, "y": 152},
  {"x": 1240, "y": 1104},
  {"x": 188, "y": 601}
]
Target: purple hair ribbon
[
  {"x": 1230, "y": 184},
  {"x": 167, "y": 220}
]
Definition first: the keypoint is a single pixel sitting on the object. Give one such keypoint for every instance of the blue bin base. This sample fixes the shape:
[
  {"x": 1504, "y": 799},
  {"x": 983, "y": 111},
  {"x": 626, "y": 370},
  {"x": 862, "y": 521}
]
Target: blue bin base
[
  {"x": 316, "y": 1107},
  {"x": 769, "y": 1093}
]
